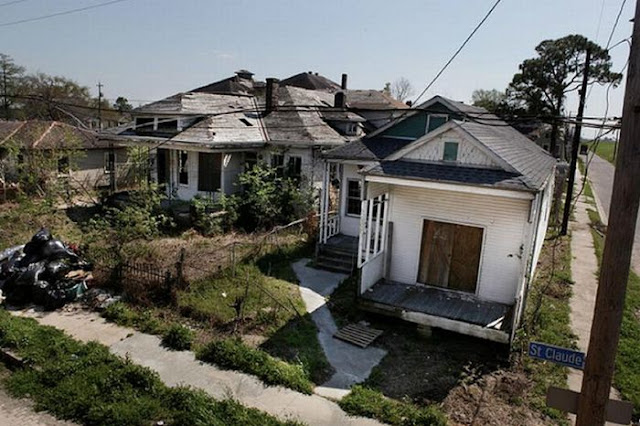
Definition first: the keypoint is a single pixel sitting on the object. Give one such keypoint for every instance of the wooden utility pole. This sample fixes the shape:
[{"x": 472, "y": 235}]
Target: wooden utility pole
[
  {"x": 575, "y": 146},
  {"x": 614, "y": 273}
]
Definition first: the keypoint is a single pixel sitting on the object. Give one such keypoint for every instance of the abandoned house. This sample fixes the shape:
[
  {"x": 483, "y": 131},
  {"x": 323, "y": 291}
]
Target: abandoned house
[{"x": 443, "y": 212}]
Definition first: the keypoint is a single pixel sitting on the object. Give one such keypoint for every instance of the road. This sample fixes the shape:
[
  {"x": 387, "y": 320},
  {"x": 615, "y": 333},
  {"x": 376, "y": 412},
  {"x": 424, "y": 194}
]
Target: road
[{"x": 601, "y": 177}]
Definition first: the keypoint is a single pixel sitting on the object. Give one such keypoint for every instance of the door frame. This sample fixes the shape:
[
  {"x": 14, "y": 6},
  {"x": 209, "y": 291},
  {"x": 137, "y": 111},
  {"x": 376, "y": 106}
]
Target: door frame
[{"x": 452, "y": 222}]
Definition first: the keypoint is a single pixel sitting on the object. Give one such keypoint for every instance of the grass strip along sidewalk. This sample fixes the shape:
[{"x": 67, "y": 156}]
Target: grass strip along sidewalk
[{"x": 87, "y": 384}]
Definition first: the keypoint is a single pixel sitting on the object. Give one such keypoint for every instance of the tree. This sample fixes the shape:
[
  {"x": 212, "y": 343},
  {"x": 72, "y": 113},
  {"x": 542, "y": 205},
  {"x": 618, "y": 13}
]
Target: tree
[
  {"x": 492, "y": 100},
  {"x": 122, "y": 105},
  {"x": 401, "y": 89},
  {"x": 543, "y": 82},
  {"x": 10, "y": 80}
]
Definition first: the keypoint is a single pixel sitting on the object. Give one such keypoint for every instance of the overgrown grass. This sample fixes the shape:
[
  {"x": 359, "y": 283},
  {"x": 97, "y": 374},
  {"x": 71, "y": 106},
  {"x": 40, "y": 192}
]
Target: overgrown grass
[
  {"x": 627, "y": 368},
  {"x": 278, "y": 263},
  {"x": 178, "y": 337},
  {"x": 233, "y": 354},
  {"x": 141, "y": 319},
  {"x": 547, "y": 319},
  {"x": 87, "y": 384},
  {"x": 605, "y": 150},
  {"x": 362, "y": 401}
]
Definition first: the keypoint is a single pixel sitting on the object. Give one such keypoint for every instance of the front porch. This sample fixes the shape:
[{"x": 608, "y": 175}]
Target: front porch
[{"x": 440, "y": 308}]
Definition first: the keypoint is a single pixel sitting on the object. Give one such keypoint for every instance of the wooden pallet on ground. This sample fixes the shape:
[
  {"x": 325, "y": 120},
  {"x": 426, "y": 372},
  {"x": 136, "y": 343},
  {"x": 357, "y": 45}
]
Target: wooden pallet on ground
[{"x": 358, "y": 334}]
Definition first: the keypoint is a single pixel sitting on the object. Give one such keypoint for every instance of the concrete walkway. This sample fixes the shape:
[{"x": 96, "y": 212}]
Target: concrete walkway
[
  {"x": 181, "y": 368},
  {"x": 584, "y": 268},
  {"x": 352, "y": 364}
]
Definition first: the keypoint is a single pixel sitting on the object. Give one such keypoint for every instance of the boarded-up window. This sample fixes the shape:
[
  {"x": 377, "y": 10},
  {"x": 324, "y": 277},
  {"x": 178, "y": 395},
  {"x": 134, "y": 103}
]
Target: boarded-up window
[
  {"x": 436, "y": 120},
  {"x": 450, "y": 151},
  {"x": 277, "y": 162},
  {"x": 450, "y": 255},
  {"x": 209, "y": 170},
  {"x": 354, "y": 200}
]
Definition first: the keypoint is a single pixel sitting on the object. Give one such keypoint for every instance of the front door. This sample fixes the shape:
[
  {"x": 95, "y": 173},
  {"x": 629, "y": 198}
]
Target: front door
[{"x": 450, "y": 255}]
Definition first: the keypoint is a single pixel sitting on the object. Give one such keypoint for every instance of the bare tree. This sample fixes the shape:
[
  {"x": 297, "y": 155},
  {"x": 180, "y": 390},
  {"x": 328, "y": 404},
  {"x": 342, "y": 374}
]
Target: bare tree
[{"x": 401, "y": 89}]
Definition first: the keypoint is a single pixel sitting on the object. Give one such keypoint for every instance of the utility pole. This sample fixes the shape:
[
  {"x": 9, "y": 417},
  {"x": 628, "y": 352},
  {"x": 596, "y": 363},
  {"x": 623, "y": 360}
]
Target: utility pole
[
  {"x": 99, "y": 106},
  {"x": 614, "y": 273},
  {"x": 111, "y": 156},
  {"x": 5, "y": 91},
  {"x": 575, "y": 146}
]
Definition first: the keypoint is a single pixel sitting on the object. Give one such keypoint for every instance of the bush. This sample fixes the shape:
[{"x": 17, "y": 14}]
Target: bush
[
  {"x": 362, "y": 401},
  {"x": 178, "y": 337},
  {"x": 233, "y": 354}
]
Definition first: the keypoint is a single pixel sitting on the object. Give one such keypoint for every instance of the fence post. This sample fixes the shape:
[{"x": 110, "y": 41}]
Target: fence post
[
  {"x": 233, "y": 258},
  {"x": 180, "y": 267}
]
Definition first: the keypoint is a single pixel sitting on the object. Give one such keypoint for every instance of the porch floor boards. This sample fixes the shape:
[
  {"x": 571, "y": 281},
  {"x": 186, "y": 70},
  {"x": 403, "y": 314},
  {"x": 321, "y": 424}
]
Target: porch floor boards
[{"x": 441, "y": 303}]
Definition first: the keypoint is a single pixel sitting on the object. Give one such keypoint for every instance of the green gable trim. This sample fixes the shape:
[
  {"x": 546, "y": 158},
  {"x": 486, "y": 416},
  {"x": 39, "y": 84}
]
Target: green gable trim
[{"x": 415, "y": 126}]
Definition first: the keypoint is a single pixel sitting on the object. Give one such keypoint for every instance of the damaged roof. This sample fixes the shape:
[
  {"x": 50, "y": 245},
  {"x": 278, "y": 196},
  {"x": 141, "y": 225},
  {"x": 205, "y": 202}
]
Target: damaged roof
[
  {"x": 37, "y": 134},
  {"x": 196, "y": 103},
  {"x": 311, "y": 81},
  {"x": 373, "y": 99}
]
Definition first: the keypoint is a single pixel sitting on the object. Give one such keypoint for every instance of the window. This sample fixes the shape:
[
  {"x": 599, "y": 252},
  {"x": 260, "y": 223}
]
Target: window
[
  {"x": 450, "y": 151},
  {"x": 277, "y": 162},
  {"x": 167, "y": 125},
  {"x": 183, "y": 167},
  {"x": 209, "y": 171},
  {"x": 294, "y": 168},
  {"x": 144, "y": 123},
  {"x": 352, "y": 129},
  {"x": 109, "y": 162},
  {"x": 250, "y": 160},
  {"x": 436, "y": 120},
  {"x": 63, "y": 165},
  {"x": 354, "y": 195},
  {"x": 450, "y": 255}
]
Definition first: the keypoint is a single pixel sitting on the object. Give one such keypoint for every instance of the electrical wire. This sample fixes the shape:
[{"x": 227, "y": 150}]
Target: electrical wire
[
  {"x": 464, "y": 43},
  {"x": 9, "y": 3},
  {"x": 66, "y": 12}
]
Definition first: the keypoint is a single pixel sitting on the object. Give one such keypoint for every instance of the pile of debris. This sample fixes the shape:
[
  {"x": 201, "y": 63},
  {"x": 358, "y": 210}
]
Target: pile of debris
[{"x": 44, "y": 271}]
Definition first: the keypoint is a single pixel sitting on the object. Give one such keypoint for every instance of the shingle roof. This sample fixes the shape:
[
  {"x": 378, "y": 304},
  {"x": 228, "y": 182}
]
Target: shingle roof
[
  {"x": 372, "y": 99},
  {"x": 196, "y": 103},
  {"x": 311, "y": 81},
  {"x": 524, "y": 155},
  {"x": 450, "y": 174},
  {"x": 368, "y": 149}
]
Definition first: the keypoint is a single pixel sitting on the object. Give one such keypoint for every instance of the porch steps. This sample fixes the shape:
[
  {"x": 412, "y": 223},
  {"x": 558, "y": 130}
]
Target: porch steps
[
  {"x": 358, "y": 334},
  {"x": 336, "y": 260}
]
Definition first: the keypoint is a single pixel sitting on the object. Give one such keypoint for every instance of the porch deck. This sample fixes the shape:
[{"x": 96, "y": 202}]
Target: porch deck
[
  {"x": 343, "y": 243},
  {"x": 441, "y": 308}
]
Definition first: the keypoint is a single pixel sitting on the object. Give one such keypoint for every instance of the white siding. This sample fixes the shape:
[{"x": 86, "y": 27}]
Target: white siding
[
  {"x": 349, "y": 225},
  {"x": 504, "y": 221},
  {"x": 372, "y": 272},
  {"x": 468, "y": 152}
]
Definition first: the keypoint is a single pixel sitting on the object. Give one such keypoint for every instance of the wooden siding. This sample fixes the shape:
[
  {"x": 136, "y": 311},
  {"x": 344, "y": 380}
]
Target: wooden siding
[
  {"x": 468, "y": 153},
  {"x": 349, "y": 225},
  {"x": 505, "y": 222}
]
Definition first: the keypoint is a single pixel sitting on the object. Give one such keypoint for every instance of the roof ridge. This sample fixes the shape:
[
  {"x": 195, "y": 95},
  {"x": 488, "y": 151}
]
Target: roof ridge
[{"x": 22, "y": 124}]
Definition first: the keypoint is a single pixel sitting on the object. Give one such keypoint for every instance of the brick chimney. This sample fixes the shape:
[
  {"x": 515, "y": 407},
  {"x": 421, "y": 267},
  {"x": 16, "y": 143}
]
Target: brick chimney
[
  {"x": 271, "y": 95},
  {"x": 340, "y": 100},
  {"x": 343, "y": 86}
]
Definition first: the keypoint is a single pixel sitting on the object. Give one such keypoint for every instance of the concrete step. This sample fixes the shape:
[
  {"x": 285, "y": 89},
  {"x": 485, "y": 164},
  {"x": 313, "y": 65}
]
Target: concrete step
[
  {"x": 337, "y": 258},
  {"x": 333, "y": 267}
]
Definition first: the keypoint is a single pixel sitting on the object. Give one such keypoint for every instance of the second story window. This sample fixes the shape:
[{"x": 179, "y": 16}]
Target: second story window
[
  {"x": 145, "y": 124},
  {"x": 436, "y": 120},
  {"x": 450, "y": 151},
  {"x": 183, "y": 167}
]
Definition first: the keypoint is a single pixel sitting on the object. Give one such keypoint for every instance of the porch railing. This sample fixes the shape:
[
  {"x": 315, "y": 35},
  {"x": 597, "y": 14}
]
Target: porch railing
[{"x": 373, "y": 228}]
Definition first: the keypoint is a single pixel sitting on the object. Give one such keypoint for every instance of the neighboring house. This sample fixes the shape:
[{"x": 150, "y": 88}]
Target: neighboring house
[
  {"x": 199, "y": 141},
  {"x": 444, "y": 215},
  {"x": 78, "y": 155}
]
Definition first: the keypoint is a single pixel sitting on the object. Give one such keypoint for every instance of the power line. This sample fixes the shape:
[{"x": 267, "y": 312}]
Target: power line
[
  {"x": 9, "y": 3},
  {"x": 615, "y": 24},
  {"x": 66, "y": 12},
  {"x": 458, "y": 51}
]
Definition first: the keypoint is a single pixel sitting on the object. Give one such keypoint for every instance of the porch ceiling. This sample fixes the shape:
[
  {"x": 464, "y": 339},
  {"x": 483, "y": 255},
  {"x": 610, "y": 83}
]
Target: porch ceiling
[{"x": 441, "y": 303}]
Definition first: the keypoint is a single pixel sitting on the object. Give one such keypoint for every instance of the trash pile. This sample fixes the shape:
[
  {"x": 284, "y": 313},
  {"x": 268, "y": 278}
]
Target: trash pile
[{"x": 44, "y": 271}]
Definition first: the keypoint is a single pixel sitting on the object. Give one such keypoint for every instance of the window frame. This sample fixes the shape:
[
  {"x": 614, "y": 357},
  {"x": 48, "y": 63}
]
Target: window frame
[
  {"x": 444, "y": 151},
  {"x": 294, "y": 174},
  {"x": 429, "y": 116},
  {"x": 183, "y": 167},
  {"x": 348, "y": 198}
]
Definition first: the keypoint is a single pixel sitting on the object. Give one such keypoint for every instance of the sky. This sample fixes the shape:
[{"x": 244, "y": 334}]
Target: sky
[{"x": 149, "y": 49}]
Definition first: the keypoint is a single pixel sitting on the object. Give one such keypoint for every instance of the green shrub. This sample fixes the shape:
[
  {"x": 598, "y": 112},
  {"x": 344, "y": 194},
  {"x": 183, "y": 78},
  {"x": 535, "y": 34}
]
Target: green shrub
[
  {"x": 178, "y": 337},
  {"x": 362, "y": 401},
  {"x": 126, "y": 316},
  {"x": 233, "y": 354}
]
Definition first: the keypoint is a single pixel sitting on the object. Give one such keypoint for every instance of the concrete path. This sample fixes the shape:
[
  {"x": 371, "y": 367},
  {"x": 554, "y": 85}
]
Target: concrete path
[
  {"x": 181, "y": 368},
  {"x": 20, "y": 412},
  {"x": 584, "y": 268},
  {"x": 352, "y": 363},
  {"x": 600, "y": 175}
]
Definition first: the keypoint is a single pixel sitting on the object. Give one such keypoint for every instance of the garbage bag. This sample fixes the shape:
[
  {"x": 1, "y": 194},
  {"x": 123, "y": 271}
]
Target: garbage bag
[
  {"x": 57, "y": 269},
  {"x": 55, "y": 249},
  {"x": 55, "y": 298},
  {"x": 8, "y": 253},
  {"x": 39, "y": 292},
  {"x": 31, "y": 274},
  {"x": 10, "y": 265},
  {"x": 37, "y": 241}
]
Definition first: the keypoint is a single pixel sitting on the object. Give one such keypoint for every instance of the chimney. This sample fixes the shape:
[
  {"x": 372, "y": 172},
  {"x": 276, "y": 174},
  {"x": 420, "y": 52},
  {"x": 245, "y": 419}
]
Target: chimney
[
  {"x": 271, "y": 96},
  {"x": 409, "y": 103},
  {"x": 340, "y": 100},
  {"x": 343, "y": 86}
]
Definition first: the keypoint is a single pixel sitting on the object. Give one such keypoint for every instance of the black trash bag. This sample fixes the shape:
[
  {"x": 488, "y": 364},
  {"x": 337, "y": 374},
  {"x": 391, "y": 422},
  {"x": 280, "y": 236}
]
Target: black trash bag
[
  {"x": 39, "y": 292},
  {"x": 10, "y": 266},
  {"x": 31, "y": 274},
  {"x": 37, "y": 241},
  {"x": 55, "y": 249},
  {"x": 56, "y": 270},
  {"x": 55, "y": 298},
  {"x": 8, "y": 253}
]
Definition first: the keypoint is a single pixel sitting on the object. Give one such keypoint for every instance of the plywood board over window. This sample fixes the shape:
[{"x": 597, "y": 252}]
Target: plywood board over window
[{"x": 450, "y": 255}]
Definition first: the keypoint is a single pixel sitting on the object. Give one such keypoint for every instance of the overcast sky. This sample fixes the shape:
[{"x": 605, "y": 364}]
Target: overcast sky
[{"x": 150, "y": 49}]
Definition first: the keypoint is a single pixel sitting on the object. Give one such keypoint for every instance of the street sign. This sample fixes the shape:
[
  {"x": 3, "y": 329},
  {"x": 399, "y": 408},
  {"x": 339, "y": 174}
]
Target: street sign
[{"x": 562, "y": 356}]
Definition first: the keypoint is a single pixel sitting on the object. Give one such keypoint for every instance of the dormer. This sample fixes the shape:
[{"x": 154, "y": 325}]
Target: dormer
[{"x": 158, "y": 126}]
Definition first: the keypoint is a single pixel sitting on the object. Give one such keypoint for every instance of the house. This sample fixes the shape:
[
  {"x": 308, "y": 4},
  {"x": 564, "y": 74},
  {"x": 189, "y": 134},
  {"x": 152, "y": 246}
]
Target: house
[
  {"x": 443, "y": 212},
  {"x": 198, "y": 141},
  {"x": 78, "y": 155}
]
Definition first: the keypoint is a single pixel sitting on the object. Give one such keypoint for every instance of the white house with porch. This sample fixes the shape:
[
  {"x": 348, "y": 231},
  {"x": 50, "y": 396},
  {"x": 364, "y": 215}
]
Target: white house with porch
[{"x": 444, "y": 228}]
